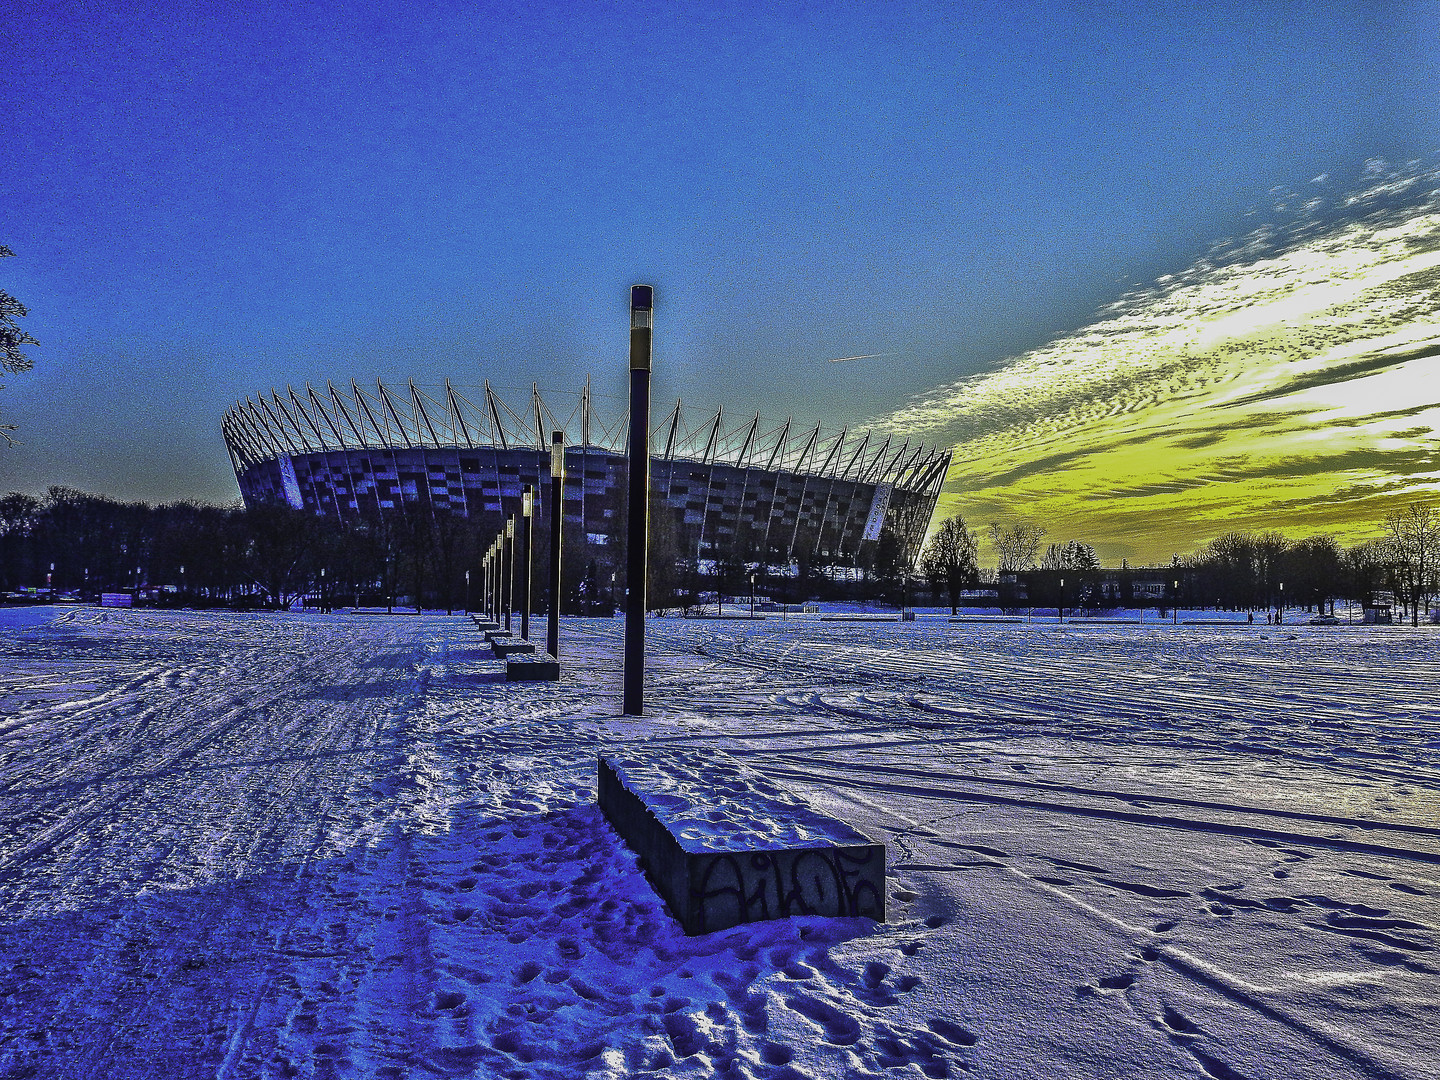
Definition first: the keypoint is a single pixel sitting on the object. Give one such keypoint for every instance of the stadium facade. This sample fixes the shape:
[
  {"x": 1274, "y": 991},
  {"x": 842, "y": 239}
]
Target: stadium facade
[{"x": 753, "y": 491}]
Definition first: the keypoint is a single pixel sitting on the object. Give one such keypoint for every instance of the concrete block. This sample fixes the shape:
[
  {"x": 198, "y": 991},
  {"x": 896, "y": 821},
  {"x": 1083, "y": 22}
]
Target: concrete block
[
  {"x": 503, "y": 648},
  {"x": 722, "y": 845},
  {"x": 541, "y": 667}
]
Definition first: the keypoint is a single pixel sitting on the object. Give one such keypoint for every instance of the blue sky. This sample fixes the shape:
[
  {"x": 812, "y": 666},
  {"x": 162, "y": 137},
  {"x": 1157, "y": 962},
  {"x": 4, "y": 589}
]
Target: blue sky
[{"x": 208, "y": 200}]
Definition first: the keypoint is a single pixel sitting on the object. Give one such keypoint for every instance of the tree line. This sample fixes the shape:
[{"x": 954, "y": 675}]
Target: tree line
[
  {"x": 268, "y": 555},
  {"x": 1237, "y": 570},
  {"x": 265, "y": 556}
]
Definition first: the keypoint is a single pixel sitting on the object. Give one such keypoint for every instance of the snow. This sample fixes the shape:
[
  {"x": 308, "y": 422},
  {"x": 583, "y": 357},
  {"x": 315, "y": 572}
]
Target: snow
[
  {"x": 271, "y": 845},
  {"x": 709, "y": 801}
]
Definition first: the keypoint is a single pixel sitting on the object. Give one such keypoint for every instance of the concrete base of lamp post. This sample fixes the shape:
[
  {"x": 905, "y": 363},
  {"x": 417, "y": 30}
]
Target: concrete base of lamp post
[
  {"x": 503, "y": 648},
  {"x": 541, "y": 667}
]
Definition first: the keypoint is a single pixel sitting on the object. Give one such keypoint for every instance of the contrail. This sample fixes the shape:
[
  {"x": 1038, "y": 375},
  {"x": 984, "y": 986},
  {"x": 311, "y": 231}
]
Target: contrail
[{"x": 866, "y": 356}]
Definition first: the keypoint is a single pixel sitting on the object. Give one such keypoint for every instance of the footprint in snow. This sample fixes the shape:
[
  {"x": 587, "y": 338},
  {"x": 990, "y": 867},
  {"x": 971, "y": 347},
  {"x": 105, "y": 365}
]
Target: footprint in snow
[
  {"x": 1179, "y": 1025},
  {"x": 1400, "y": 886},
  {"x": 874, "y": 974},
  {"x": 449, "y": 1000},
  {"x": 953, "y": 1033},
  {"x": 840, "y": 1029},
  {"x": 775, "y": 1054}
]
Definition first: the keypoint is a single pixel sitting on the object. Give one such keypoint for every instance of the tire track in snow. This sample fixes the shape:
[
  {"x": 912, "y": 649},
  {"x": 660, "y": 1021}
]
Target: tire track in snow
[
  {"x": 261, "y": 811},
  {"x": 1132, "y": 817}
]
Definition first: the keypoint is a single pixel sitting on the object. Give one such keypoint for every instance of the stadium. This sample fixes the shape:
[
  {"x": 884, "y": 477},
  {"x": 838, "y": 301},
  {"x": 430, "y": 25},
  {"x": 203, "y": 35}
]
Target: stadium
[{"x": 752, "y": 492}]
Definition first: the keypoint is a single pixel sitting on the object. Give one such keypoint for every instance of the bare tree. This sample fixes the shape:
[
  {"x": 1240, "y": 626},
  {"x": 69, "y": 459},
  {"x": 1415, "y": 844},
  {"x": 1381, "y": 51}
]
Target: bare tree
[
  {"x": 1015, "y": 546},
  {"x": 279, "y": 542},
  {"x": 11, "y": 338},
  {"x": 1364, "y": 567},
  {"x": 1314, "y": 564},
  {"x": 1072, "y": 556},
  {"x": 1413, "y": 537},
  {"x": 949, "y": 557}
]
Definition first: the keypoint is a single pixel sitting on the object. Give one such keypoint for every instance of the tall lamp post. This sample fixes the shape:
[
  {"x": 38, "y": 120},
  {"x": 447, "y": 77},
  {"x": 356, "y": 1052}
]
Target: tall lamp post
[
  {"x": 752, "y": 594},
  {"x": 557, "y": 495},
  {"x": 1175, "y": 603},
  {"x": 507, "y": 571},
  {"x": 637, "y": 533},
  {"x": 1280, "y": 606},
  {"x": 1061, "y": 608},
  {"x": 491, "y": 607},
  {"x": 527, "y": 514}
]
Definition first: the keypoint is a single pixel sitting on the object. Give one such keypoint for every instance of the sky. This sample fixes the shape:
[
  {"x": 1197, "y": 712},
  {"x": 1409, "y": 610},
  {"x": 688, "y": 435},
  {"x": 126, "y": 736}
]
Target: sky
[
  {"x": 1289, "y": 381},
  {"x": 207, "y": 201}
]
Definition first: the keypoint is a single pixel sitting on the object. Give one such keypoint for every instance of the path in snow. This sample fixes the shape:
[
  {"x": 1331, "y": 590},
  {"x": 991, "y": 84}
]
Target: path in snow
[{"x": 275, "y": 845}]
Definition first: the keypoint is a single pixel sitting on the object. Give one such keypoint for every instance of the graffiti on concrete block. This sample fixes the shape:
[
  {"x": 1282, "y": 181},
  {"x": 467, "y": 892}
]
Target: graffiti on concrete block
[{"x": 745, "y": 887}]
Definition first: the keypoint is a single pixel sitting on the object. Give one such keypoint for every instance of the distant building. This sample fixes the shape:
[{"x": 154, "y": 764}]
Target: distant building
[{"x": 753, "y": 491}]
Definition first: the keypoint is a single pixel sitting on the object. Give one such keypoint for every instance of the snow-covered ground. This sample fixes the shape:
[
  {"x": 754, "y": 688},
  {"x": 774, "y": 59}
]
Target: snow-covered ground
[{"x": 302, "y": 845}]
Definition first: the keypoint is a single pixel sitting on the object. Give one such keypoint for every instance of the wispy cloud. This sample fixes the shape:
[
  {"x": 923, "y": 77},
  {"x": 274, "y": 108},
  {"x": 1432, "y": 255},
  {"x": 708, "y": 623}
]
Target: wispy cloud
[
  {"x": 1280, "y": 382},
  {"x": 865, "y": 356}
]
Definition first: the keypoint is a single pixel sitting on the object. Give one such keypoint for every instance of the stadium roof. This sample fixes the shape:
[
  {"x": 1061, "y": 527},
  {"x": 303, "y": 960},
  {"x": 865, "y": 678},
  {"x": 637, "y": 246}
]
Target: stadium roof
[{"x": 314, "y": 421}]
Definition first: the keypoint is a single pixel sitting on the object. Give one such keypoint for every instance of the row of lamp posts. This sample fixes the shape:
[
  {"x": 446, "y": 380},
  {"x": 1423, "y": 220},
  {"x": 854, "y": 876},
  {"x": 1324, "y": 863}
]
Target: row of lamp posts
[{"x": 508, "y": 572}]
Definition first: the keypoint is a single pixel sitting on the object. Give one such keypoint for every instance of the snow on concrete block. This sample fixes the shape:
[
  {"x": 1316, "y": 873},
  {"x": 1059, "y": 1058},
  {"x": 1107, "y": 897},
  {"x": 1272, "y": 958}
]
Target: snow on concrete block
[
  {"x": 722, "y": 845},
  {"x": 539, "y": 667},
  {"x": 503, "y": 647}
]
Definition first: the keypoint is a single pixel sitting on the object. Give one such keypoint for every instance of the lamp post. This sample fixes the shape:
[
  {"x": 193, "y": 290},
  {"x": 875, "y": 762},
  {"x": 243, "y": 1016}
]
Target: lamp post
[
  {"x": 322, "y": 585},
  {"x": 507, "y": 572},
  {"x": 527, "y": 514},
  {"x": 642, "y": 323},
  {"x": 467, "y": 592},
  {"x": 1175, "y": 603},
  {"x": 557, "y": 495},
  {"x": 1061, "y": 608},
  {"x": 490, "y": 582},
  {"x": 752, "y": 594},
  {"x": 1280, "y": 606}
]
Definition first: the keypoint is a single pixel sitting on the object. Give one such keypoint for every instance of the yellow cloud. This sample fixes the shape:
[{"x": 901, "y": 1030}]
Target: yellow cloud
[{"x": 1296, "y": 389}]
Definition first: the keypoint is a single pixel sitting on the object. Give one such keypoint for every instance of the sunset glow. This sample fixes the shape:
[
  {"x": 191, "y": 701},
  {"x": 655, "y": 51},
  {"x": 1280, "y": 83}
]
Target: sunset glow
[{"x": 1288, "y": 383}]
